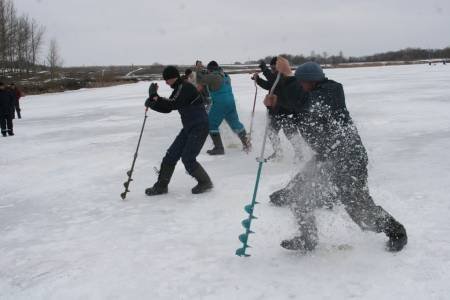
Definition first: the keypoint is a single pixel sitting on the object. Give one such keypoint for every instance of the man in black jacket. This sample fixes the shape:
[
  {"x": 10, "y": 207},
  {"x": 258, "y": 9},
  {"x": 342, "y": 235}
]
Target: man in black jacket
[
  {"x": 187, "y": 145},
  {"x": 338, "y": 172},
  {"x": 280, "y": 118},
  {"x": 6, "y": 110}
]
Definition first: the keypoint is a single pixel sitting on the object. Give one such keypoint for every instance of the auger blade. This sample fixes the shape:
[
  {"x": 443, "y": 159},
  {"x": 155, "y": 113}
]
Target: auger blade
[
  {"x": 246, "y": 223},
  {"x": 129, "y": 173},
  {"x": 249, "y": 208},
  {"x": 126, "y": 184},
  {"x": 241, "y": 252},
  {"x": 243, "y": 238},
  {"x": 123, "y": 195}
]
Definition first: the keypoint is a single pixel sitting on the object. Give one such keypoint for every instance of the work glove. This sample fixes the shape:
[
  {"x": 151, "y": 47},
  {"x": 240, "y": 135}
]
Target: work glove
[
  {"x": 255, "y": 76},
  {"x": 153, "y": 89}
]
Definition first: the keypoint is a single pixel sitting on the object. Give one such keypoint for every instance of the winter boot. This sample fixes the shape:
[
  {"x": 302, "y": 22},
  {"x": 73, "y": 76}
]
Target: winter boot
[
  {"x": 301, "y": 243},
  {"x": 160, "y": 187},
  {"x": 4, "y": 134},
  {"x": 247, "y": 146},
  {"x": 204, "y": 182},
  {"x": 218, "y": 146},
  {"x": 396, "y": 234},
  {"x": 10, "y": 132},
  {"x": 280, "y": 197}
]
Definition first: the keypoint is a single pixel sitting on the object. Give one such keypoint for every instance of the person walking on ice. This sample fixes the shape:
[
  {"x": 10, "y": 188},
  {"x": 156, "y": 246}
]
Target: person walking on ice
[
  {"x": 186, "y": 99},
  {"x": 338, "y": 171},
  {"x": 223, "y": 106}
]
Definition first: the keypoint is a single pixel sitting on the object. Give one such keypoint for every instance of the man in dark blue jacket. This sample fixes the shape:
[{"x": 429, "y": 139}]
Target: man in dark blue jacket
[
  {"x": 6, "y": 110},
  {"x": 280, "y": 118},
  {"x": 338, "y": 172},
  {"x": 186, "y": 99}
]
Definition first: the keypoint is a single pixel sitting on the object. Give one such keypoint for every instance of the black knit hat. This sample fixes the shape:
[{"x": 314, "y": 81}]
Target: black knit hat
[
  {"x": 273, "y": 61},
  {"x": 212, "y": 65},
  {"x": 170, "y": 72}
]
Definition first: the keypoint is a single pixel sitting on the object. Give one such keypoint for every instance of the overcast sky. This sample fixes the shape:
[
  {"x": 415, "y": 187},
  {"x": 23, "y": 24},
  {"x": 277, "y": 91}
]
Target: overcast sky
[{"x": 106, "y": 32}]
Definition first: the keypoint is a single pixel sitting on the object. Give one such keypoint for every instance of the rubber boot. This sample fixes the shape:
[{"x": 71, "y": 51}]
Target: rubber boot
[
  {"x": 308, "y": 239},
  {"x": 246, "y": 144},
  {"x": 204, "y": 182},
  {"x": 280, "y": 197},
  {"x": 218, "y": 145},
  {"x": 396, "y": 234},
  {"x": 299, "y": 243},
  {"x": 160, "y": 187}
]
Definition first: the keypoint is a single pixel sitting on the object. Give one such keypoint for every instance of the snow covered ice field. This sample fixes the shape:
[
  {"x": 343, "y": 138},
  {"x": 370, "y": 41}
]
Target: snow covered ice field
[{"x": 66, "y": 234}]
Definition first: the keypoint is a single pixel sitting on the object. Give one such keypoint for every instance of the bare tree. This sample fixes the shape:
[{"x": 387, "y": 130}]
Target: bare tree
[
  {"x": 37, "y": 36},
  {"x": 53, "y": 58}
]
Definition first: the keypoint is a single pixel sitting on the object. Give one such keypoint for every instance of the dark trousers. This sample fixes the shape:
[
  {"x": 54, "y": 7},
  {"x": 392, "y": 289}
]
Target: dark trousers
[
  {"x": 285, "y": 122},
  {"x": 187, "y": 146},
  {"x": 327, "y": 182},
  {"x": 6, "y": 124}
]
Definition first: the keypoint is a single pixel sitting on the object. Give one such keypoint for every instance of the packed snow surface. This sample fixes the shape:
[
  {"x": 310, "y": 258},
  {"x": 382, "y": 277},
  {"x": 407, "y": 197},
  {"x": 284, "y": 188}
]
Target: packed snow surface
[{"x": 66, "y": 234}]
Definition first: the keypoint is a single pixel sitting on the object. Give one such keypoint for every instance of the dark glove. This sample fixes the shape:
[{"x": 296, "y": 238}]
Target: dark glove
[
  {"x": 262, "y": 65},
  {"x": 153, "y": 89},
  {"x": 148, "y": 102}
]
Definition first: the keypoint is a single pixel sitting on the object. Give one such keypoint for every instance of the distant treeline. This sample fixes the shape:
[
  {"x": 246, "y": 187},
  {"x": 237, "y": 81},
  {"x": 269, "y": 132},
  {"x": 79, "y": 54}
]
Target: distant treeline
[{"x": 408, "y": 54}]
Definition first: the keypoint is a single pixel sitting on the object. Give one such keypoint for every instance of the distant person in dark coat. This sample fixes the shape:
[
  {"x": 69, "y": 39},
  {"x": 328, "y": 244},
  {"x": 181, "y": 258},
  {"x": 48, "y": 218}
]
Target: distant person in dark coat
[{"x": 6, "y": 110}]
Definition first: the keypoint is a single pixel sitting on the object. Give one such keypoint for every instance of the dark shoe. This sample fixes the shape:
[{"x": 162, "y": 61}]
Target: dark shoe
[
  {"x": 4, "y": 134},
  {"x": 10, "y": 132},
  {"x": 160, "y": 187},
  {"x": 246, "y": 144},
  {"x": 280, "y": 197},
  {"x": 396, "y": 234},
  {"x": 218, "y": 145},
  {"x": 204, "y": 182},
  {"x": 156, "y": 189},
  {"x": 300, "y": 243}
]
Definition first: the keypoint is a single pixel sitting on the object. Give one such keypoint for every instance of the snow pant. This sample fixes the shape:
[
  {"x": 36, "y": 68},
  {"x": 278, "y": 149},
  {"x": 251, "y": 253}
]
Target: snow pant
[
  {"x": 6, "y": 123},
  {"x": 187, "y": 146},
  {"x": 328, "y": 182},
  {"x": 285, "y": 122},
  {"x": 224, "y": 109}
]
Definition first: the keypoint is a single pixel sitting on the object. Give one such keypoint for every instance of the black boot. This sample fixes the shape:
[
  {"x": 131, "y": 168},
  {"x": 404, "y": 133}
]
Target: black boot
[
  {"x": 10, "y": 132},
  {"x": 160, "y": 187},
  {"x": 246, "y": 144},
  {"x": 300, "y": 243},
  {"x": 204, "y": 182},
  {"x": 218, "y": 146},
  {"x": 396, "y": 234},
  {"x": 4, "y": 134},
  {"x": 280, "y": 197}
]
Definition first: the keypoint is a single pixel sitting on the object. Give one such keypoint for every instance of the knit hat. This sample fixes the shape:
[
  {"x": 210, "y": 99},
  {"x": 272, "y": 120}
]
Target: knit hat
[
  {"x": 170, "y": 72},
  {"x": 309, "y": 71},
  {"x": 212, "y": 66},
  {"x": 273, "y": 61}
]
